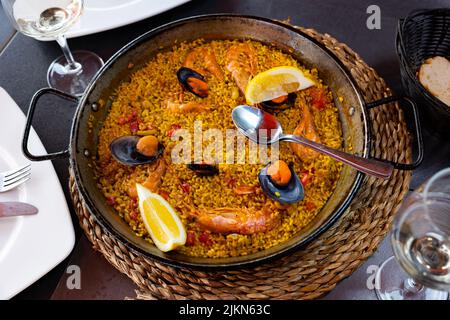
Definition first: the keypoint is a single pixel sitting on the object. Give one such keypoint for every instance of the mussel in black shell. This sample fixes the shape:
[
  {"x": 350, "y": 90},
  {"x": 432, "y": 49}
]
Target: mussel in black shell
[
  {"x": 280, "y": 186},
  {"x": 125, "y": 151},
  {"x": 193, "y": 82},
  {"x": 203, "y": 169},
  {"x": 280, "y": 103}
]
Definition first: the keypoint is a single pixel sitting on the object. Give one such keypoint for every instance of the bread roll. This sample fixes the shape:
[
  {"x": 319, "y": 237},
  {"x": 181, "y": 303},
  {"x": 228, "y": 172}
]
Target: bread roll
[{"x": 434, "y": 75}]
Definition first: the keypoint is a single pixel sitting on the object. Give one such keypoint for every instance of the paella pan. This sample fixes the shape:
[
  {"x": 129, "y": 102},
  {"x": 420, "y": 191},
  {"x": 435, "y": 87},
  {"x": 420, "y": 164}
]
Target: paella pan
[{"x": 140, "y": 92}]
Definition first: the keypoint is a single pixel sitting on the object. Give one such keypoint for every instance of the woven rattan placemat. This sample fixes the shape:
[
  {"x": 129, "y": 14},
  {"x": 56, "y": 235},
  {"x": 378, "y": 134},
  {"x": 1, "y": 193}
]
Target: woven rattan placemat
[{"x": 317, "y": 268}]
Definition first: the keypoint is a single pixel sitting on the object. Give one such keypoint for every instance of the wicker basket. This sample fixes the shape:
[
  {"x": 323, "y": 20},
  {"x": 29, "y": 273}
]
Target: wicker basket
[{"x": 422, "y": 35}]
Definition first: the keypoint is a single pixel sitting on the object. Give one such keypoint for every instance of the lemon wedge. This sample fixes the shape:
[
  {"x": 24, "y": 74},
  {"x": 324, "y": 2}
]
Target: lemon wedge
[
  {"x": 160, "y": 220},
  {"x": 276, "y": 82}
]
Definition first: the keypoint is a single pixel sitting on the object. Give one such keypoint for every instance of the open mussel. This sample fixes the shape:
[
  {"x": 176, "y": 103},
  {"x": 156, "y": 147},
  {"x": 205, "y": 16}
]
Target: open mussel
[
  {"x": 135, "y": 150},
  {"x": 203, "y": 169},
  {"x": 193, "y": 82},
  {"x": 280, "y": 183},
  {"x": 279, "y": 103}
]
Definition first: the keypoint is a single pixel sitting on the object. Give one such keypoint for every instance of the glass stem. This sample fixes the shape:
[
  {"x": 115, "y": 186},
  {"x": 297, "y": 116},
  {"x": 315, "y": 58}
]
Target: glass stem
[
  {"x": 412, "y": 286},
  {"x": 72, "y": 65}
]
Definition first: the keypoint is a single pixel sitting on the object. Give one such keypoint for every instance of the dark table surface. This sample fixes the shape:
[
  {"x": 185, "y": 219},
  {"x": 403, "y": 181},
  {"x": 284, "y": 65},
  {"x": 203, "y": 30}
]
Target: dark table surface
[{"x": 23, "y": 66}]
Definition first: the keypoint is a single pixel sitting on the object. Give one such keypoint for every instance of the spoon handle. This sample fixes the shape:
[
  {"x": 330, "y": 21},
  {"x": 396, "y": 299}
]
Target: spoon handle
[{"x": 371, "y": 167}]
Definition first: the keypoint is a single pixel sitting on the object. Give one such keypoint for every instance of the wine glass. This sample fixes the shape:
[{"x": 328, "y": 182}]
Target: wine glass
[
  {"x": 421, "y": 245},
  {"x": 50, "y": 20}
]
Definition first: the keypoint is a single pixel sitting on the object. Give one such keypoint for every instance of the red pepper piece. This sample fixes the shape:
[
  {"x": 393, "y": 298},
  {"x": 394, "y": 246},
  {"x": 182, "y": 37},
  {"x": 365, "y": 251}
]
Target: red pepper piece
[
  {"x": 310, "y": 206},
  {"x": 111, "y": 201},
  {"x": 186, "y": 187},
  {"x": 190, "y": 239},
  {"x": 319, "y": 98},
  {"x": 165, "y": 194},
  {"x": 205, "y": 238},
  {"x": 134, "y": 215}
]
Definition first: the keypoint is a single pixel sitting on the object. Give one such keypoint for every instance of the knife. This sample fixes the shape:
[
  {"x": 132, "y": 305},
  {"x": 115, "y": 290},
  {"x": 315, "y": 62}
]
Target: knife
[{"x": 13, "y": 209}]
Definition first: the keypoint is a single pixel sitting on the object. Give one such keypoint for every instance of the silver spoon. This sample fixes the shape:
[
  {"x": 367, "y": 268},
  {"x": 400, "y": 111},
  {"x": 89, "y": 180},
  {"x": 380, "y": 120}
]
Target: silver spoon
[{"x": 250, "y": 121}]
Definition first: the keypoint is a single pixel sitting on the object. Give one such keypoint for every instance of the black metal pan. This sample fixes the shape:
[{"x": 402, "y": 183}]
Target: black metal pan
[{"x": 353, "y": 112}]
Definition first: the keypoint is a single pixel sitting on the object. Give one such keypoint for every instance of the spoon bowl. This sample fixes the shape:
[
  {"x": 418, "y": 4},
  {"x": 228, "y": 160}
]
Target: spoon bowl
[
  {"x": 259, "y": 126},
  {"x": 263, "y": 128}
]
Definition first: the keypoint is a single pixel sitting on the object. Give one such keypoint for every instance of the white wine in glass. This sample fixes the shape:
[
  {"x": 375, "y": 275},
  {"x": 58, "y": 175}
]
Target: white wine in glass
[
  {"x": 421, "y": 244},
  {"x": 50, "y": 20}
]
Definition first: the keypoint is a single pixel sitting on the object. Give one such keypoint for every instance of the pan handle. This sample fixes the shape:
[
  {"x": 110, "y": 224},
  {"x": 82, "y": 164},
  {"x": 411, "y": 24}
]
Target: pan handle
[
  {"x": 32, "y": 108},
  {"x": 412, "y": 104}
]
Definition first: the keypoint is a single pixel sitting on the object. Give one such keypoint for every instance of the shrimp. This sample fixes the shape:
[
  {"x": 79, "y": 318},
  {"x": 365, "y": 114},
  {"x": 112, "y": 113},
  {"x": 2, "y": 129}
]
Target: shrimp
[
  {"x": 208, "y": 58},
  {"x": 307, "y": 129},
  {"x": 153, "y": 180},
  {"x": 193, "y": 106},
  {"x": 242, "y": 63},
  {"x": 236, "y": 220},
  {"x": 242, "y": 190}
]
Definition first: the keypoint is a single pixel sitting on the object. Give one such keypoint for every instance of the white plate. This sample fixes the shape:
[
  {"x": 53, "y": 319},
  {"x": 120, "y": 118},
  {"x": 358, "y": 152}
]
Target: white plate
[
  {"x": 33, "y": 245},
  {"x": 101, "y": 15}
]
